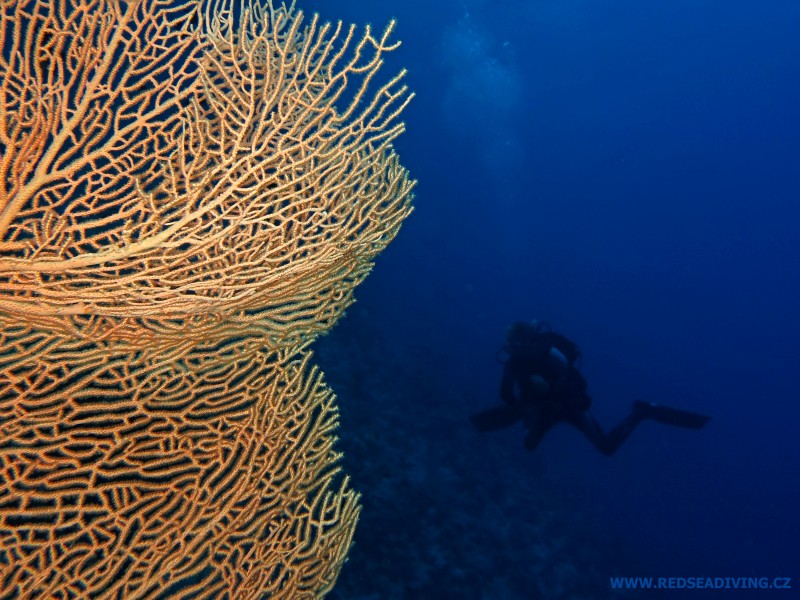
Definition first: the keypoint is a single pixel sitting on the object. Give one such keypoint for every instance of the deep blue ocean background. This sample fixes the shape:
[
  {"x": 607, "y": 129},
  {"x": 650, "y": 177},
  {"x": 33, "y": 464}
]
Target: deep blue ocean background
[{"x": 630, "y": 172}]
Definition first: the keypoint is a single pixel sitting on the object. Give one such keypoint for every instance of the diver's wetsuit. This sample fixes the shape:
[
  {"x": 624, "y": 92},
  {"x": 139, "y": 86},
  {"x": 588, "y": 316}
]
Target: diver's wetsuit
[{"x": 566, "y": 400}]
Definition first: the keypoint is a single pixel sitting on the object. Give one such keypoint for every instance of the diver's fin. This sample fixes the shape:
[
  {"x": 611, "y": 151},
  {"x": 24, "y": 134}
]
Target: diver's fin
[
  {"x": 495, "y": 418},
  {"x": 671, "y": 416}
]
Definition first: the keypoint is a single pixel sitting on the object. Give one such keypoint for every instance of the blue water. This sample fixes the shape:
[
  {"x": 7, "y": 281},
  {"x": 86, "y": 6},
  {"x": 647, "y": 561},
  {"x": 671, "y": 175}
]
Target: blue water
[{"x": 630, "y": 172}]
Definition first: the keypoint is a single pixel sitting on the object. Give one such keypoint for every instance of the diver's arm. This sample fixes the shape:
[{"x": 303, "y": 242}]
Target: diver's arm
[
  {"x": 507, "y": 386},
  {"x": 559, "y": 366}
]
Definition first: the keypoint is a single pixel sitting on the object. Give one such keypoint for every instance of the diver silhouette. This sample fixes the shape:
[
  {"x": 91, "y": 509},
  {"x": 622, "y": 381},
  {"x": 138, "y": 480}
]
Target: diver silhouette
[{"x": 542, "y": 386}]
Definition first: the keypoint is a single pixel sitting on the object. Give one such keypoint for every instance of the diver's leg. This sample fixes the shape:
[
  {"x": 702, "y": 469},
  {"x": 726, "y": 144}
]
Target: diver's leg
[
  {"x": 536, "y": 426},
  {"x": 496, "y": 418},
  {"x": 607, "y": 443}
]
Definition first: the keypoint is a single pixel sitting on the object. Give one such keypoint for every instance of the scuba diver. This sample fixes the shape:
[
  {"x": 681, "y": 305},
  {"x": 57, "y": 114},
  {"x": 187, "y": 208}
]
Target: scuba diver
[{"x": 542, "y": 386}]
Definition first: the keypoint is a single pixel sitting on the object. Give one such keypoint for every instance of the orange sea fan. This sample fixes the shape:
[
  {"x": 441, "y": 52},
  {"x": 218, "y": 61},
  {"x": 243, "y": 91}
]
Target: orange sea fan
[{"x": 188, "y": 196}]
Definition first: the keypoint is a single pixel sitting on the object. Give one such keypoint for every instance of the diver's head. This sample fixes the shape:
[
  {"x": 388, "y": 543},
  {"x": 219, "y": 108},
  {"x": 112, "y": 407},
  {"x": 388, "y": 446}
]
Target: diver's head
[{"x": 521, "y": 334}]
